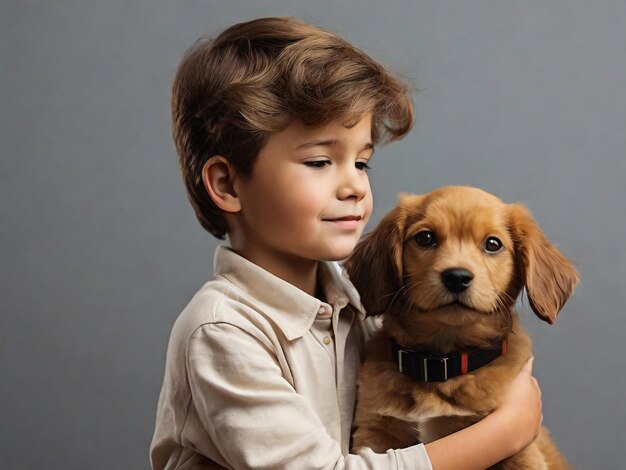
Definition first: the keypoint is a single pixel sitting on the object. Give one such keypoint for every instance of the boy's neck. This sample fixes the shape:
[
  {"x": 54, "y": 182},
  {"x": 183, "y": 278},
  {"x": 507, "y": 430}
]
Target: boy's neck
[{"x": 301, "y": 273}]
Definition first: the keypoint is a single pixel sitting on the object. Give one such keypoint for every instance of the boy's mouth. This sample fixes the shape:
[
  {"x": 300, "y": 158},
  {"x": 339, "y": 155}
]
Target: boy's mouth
[
  {"x": 349, "y": 222},
  {"x": 347, "y": 217}
]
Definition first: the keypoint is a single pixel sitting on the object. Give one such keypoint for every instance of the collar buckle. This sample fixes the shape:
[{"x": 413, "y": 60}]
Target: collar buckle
[
  {"x": 401, "y": 360},
  {"x": 436, "y": 364},
  {"x": 439, "y": 365}
]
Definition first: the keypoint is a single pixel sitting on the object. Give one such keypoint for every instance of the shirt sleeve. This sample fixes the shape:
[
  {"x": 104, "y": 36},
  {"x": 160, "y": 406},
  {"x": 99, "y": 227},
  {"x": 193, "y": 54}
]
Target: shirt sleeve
[{"x": 256, "y": 418}]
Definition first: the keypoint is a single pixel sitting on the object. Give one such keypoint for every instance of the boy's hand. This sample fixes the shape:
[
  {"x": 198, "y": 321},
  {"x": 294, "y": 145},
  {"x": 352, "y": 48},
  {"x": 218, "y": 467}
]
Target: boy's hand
[
  {"x": 503, "y": 433},
  {"x": 520, "y": 411}
]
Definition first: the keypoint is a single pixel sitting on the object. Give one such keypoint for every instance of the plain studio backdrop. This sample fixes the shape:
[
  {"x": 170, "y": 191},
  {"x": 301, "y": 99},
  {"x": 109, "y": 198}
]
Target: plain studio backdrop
[{"x": 100, "y": 250}]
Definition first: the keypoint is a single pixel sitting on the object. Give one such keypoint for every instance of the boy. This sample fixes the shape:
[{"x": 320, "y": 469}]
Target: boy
[{"x": 275, "y": 123}]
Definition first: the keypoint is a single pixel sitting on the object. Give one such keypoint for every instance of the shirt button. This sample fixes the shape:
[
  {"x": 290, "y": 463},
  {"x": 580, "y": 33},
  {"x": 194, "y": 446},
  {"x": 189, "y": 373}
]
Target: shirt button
[{"x": 326, "y": 340}]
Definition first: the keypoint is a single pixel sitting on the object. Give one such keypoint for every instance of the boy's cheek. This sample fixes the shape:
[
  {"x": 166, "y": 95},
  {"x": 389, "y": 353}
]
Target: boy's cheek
[{"x": 368, "y": 206}]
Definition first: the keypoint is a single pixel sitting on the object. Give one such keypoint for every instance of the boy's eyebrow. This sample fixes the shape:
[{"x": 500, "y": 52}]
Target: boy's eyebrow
[{"x": 327, "y": 143}]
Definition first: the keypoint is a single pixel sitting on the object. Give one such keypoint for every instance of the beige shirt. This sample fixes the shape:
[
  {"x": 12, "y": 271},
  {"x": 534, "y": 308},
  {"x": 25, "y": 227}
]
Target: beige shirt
[{"x": 259, "y": 374}]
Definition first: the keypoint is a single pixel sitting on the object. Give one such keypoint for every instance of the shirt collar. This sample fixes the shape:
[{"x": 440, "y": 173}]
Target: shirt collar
[{"x": 292, "y": 309}]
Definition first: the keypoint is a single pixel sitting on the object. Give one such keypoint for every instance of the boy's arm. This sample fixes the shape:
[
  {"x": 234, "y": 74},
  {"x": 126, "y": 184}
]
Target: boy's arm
[
  {"x": 501, "y": 434},
  {"x": 256, "y": 419}
]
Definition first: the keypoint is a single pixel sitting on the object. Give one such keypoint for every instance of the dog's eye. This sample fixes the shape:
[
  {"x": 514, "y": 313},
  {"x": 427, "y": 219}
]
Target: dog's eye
[
  {"x": 426, "y": 238},
  {"x": 493, "y": 245}
]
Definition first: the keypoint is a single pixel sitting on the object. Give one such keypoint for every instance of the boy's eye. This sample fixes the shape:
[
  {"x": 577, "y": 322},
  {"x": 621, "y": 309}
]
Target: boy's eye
[
  {"x": 317, "y": 163},
  {"x": 362, "y": 166}
]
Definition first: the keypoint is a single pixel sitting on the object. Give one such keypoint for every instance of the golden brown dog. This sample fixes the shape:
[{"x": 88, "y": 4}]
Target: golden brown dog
[{"x": 444, "y": 269}]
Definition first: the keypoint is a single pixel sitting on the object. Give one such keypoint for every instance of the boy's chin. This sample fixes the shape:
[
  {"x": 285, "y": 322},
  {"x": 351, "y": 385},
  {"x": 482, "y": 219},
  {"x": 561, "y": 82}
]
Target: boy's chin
[{"x": 336, "y": 255}]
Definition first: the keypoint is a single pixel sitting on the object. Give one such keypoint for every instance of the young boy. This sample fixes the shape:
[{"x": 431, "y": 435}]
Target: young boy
[{"x": 275, "y": 123}]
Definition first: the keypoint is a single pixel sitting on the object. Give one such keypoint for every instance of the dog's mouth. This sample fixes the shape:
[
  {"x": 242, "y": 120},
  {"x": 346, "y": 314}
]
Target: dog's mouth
[{"x": 456, "y": 303}]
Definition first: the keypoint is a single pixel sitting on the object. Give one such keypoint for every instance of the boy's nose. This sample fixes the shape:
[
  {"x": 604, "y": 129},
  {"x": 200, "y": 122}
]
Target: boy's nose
[{"x": 353, "y": 184}]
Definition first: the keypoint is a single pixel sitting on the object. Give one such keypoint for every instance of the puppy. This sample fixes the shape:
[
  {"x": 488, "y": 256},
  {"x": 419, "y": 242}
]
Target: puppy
[{"x": 444, "y": 270}]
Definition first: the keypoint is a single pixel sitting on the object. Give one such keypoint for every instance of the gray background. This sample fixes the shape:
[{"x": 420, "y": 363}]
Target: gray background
[{"x": 100, "y": 249}]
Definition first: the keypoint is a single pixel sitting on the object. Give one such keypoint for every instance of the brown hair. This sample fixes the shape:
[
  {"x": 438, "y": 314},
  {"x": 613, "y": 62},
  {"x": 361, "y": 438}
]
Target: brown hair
[{"x": 231, "y": 93}]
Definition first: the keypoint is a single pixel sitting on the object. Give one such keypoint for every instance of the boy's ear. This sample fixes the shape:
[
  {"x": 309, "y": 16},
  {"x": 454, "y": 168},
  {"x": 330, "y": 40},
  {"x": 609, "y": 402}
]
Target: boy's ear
[{"x": 217, "y": 175}]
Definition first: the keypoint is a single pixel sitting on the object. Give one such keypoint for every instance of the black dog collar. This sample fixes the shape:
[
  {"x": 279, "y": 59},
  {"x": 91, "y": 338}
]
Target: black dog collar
[{"x": 438, "y": 367}]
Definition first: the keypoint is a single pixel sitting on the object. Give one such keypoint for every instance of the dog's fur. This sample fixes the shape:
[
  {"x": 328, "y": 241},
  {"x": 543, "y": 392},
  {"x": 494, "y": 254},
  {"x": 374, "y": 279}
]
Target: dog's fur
[{"x": 402, "y": 281}]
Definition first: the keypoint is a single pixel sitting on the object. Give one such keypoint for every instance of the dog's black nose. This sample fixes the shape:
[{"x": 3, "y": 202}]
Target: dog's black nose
[{"x": 456, "y": 280}]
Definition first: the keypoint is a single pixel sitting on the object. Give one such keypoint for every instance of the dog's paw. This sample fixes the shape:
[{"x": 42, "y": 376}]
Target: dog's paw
[
  {"x": 432, "y": 404},
  {"x": 472, "y": 394}
]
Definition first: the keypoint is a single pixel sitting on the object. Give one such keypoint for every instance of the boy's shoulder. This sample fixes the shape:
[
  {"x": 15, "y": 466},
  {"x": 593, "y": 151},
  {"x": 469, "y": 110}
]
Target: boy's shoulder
[
  {"x": 244, "y": 296},
  {"x": 217, "y": 302},
  {"x": 206, "y": 304}
]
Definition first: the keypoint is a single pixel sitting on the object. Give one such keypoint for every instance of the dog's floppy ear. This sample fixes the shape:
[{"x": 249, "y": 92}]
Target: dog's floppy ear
[
  {"x": 548, "y": 276},
  {"x": 375, "y": 265}
]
